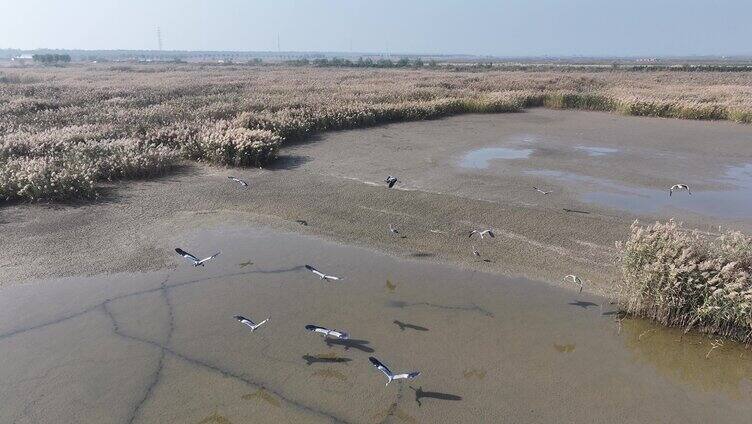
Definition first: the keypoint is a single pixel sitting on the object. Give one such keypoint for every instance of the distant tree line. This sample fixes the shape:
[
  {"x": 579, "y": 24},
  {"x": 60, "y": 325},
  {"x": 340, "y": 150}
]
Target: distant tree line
[
  {"x": 692, "y": 68},
  {"x": 363, "y": 63},
  {"x": 51, "y": 58}
]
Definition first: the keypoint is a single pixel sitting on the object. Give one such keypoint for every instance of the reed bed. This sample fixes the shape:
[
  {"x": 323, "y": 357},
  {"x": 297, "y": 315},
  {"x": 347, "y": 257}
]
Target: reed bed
[
  {"x": 687, "y": 279},
  {"x": 52, "y": 119}
]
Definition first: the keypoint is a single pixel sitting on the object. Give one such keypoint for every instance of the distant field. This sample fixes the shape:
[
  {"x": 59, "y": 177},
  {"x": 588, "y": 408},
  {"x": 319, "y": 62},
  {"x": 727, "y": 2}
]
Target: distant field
[{"x": 62, "y": 129}]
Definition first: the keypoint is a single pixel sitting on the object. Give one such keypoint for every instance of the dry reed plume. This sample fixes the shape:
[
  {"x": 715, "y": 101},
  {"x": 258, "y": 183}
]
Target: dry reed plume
[{"x": 686, "y": 279}]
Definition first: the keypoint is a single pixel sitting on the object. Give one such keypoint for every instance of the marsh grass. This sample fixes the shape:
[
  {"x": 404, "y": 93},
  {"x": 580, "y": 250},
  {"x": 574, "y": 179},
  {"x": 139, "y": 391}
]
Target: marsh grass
[
  {"x": 55, "y": 122},
  {"x": 72, "y": 173},
  {"x": 689, "y": 280}
]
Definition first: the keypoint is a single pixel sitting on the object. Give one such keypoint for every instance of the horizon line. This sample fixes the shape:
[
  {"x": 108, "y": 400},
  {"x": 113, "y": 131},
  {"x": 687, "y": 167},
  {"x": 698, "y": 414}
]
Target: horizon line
[{"x": 391, "y": 53}]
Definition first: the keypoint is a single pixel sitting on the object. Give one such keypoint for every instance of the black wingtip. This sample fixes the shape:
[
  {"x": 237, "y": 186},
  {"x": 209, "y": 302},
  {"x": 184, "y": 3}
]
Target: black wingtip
[
  {"x": 310, "y": 268},
  {"x": 238, "y": 317},
  {"x": 180, "y": 251},
  {"x": 311, "y": 327}
]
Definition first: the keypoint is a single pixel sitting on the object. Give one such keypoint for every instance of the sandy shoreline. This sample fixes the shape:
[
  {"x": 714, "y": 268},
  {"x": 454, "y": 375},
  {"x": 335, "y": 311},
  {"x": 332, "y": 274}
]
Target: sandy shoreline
[{"x": 334, "y": 183}]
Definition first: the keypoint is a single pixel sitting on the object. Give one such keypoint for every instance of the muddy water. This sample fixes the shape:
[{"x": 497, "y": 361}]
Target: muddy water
[{"x": 163, "y": 346}]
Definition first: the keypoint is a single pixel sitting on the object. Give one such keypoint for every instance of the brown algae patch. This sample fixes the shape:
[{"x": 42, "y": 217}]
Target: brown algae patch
[
  {"x": 474, "y": 373},
  {"x": 215, "y": 419},
  {"x": 564, "y": 348},
  {"x": 390, "y": 286},
  {"x": 404, "y": 416},
  {"x": 263, "y": 395},
  {"x": 329, "y": 373},
  {"x": 399, "y": 414}
]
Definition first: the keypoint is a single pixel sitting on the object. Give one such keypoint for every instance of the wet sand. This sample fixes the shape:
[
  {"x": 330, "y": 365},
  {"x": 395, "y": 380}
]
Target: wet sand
[
  {"x": 603, "y": 171},
  {"x": 163, "y": 346}
]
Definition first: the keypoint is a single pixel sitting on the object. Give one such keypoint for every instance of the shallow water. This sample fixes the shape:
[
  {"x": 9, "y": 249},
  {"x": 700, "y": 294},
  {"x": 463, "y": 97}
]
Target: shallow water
[
  {"x": 734, "y": 201},
  {"x": 597, "y": 151},
  {"x": 618, "y": 163},
  {"x": 163, "y": 346},
  {"x": 481, "y": 158}
]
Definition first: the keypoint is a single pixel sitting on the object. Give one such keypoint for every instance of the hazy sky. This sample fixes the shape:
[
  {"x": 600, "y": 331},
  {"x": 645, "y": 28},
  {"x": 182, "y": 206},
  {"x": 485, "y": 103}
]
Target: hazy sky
[{"x": 502, "y": 27}]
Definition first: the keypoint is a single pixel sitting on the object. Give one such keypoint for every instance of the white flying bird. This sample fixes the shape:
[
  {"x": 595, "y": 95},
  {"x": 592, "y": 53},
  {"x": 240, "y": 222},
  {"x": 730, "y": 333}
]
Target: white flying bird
[
  {"x": 321, "y": 274},
  {"x": 393, "y": 230},
  {"x": 540, "y": 191},
  {"x": 475, "y": 252},
  {"x": 194, "y": 260},
  {"x": 575, "y": 279},
  {"x": 253, "y": 326},
  {"x": 327, "y": 332},
  {"x": 239, "y": 181},
  {"x": 482, "y": 232},
  {"x": 391, "y": 181},
  {"x": 679, "y": 187},
  {"x": 389, "y": 374}
]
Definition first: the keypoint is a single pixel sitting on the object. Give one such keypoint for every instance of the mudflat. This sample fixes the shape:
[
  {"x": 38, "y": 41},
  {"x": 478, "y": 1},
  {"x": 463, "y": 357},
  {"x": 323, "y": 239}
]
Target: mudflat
[{"x": 602, "y": 170}]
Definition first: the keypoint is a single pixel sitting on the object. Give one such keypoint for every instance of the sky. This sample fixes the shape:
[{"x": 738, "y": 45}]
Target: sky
[{"x": 478, "y": 27}]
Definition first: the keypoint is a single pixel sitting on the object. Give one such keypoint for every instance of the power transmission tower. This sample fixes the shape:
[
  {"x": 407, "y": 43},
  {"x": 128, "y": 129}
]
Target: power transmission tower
[{"x": 159, "y": 39}]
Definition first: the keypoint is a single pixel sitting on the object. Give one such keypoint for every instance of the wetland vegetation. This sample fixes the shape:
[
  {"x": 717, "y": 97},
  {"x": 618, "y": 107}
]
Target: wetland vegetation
[{"x": 63, "y": 129}]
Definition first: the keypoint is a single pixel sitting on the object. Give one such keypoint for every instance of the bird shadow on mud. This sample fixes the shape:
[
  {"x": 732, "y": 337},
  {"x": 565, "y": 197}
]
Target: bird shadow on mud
[
  {"x": 320, "y": 359},
  {"x": 575, "y": 211},
  {"x": 582, "y": 304},
  {"x": 403, "y": 325},
  {"x": 361, "y": 345},
  {"x": 422, "y": 394}
]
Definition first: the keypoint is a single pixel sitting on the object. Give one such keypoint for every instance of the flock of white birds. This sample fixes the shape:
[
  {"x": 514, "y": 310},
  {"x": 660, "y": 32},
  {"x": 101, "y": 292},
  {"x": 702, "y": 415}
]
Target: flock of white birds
[
  {"x": 391, "y": 181},
  {"x": 326, "y": 332}
]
